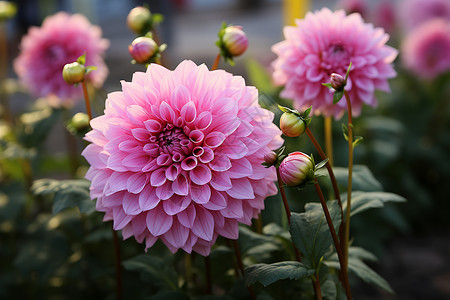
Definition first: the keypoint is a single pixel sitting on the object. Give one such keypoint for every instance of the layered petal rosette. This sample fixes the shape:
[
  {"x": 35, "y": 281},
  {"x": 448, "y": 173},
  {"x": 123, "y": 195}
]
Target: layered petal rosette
[
  {"x": 323, "y": 43},
  {"x": 45, "y": 50},
  {"x": 177, "y": 156}
]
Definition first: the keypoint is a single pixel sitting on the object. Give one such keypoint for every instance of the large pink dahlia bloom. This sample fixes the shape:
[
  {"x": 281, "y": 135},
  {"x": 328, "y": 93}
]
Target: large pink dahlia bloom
[
  {"x": 426, "y": 49},
  {"x": 177, "y": 156},
  {"x": 45, "y": 50},
  {"x": 323, "y": 43}
]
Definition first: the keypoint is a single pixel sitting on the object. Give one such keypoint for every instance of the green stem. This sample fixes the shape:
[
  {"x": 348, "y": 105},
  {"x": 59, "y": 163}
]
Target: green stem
[
  {"x": 350, "y": 171},
  {"x": 86, "y": 100},
  {"x": 287, "y": 210},
  {"x": 329, "y": 138},
  {"x": 342, "y": 263},
  {"x": 216, "y": 62}
]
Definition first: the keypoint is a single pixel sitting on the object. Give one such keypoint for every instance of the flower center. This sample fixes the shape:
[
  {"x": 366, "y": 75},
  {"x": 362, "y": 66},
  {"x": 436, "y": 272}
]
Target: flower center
[
  {"x": 335, "y": 58},
  {"x": 171, "y": 139}
]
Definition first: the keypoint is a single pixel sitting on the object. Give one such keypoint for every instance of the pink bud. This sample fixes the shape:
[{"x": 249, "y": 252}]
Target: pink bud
[
  {"x": 73, "y": 73},
  {"x": 291, "y": 124},
  {"x": 337, "y": 81},
  {"x": 142, "y": 49},
  {"x": 296, "y": 168},
  {"x": 138, "y": 19},
  {"x": 235, "y": 40},
  {"x": 270, "y": 158}
]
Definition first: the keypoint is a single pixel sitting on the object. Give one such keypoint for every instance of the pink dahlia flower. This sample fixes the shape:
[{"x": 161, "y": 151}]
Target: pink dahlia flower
[
  {"x": 426, "y": 49},
  {"x": 416, "y": 12},
  {"x": 326, "y": 42},
  {"x": 177, "y": 156},
  {"x": 60, "y": 40}
]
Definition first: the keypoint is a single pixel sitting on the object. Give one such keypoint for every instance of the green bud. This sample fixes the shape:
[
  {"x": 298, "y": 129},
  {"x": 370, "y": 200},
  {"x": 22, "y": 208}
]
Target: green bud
[
  {"x": 73, "y": 73},
  {"x": 291, "y": 124}
]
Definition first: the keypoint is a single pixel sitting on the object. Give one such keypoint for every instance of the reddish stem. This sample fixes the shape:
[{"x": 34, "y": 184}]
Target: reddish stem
[
  {"x": 216, "y": 62},
  {"x": 86, "y": 100}
]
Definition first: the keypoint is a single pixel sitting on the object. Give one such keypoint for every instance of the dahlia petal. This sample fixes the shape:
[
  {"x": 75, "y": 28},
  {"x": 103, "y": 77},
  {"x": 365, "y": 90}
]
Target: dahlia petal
[
  {"x": 148, "y": 199},
  {"x": 200, "y": 193},
  {"x": 153, "y": 126},
  {"x": 164, "y": 160},
  {"x": 180, "y": 96},
  {"x": 217, "y": 201},
  {"x": 165, "y": 191},
  {"x": 113, "y": 200},
  {"x": 203, "y": 226},
  {"x": 151, "y": 149},
  {"x": 189, "y": 163},
  {"x": 207, "y": 155},
  {"x": 233, "y": 210},
  {"x": 150, "y": 241},
  {"x": 130, "y": 204},
  {"x": 214, "y": 139},
  {"x": 177, "y": 235},
  {"x": 235, "y": 149},
  {"x": 200, "y": 175},
  {"x": 158, "y": 222},
  {"x": 240, "y": 168},
  {"x": 189, "y": 112},
  {"x": 120, "y": 218},
  {"x": 242, "y": 189},
  {"x": 180, "y": 185},
  {"x": 138, "y": 224},
  {"x": 137, "y": 114},
  {"x": 135, "y": 161},
  {"x": 196, "y": 136},
  {"x": 115, "y": 163},
  {"x": 172, "y": 172},
  {"x": 129, "y": 146},
  {"x": 91, "y": 155},
  {"x": 158, "y": 177},
  {"x": 187, "y": 216},
  {"x": 203, "y": 120},
  {"x": 220, "y": 163},
  {"x": 166, "y": 112},
  {"x": 176, "y": 204},
  {"x": 220, "y": 181},
  {"x": 136, "y": 182},
  {"x": 230, "y": 230}
]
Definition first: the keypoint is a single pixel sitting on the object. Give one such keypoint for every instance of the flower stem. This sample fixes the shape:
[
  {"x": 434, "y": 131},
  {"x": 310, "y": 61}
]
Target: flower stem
[
  {"x": 86, "y": 100},
  {"x": 316, "y": 285},
  {"x": 208, "y": 275},
  {"x": 288, "y": 211},
  {"x": 216, "y": 62},
  {"x": 342, "y": 263},
  {"x": 329, "y": 139},
  {"x": 240, "y": 264},
  {"x": 118, "y": 265},
  {"x": 350, "y": 173}
]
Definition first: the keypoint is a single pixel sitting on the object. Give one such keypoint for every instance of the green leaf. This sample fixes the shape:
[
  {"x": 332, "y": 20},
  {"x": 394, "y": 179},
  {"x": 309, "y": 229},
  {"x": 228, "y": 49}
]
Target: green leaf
[
  {"x": 357, "y": 140},
  {"x": 362, "y": 178},
  {"x": 310, "y": 232},
  {"x": 267, "y": 274},
  {"x": 363, "y": 271},
  {"x": 322, "y": 163},
  {"x": 67, "y": 194},
  {"x": 90, "y": 69},
  {"x": 328, "y": 85},
  {"x": 283, "y": 108},
  {"x": 362, "y": 201},
  {"x": 337, "y": 96},
  {"x": 153, "y": 269},
  {"x": 252, "y": 243}
]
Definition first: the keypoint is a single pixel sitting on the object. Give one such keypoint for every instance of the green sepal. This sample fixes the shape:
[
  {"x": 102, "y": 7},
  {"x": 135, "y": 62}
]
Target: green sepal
[
  {"x": 90, "y": 69},
  {"x": 345, "y": 131},
  {"x": 321, "y": 164},
  {"x": 82, "y": 59},
  {"x": 307, "y": 121},
  {"x": 281, "y": 150},
  {"x": 337, "y": 96},
  {"x": 306, "y": 113},
  {"x": 157, "y": 18},
  {"x": 358, "y": 140},
  {"x": 328, "y": 85}
]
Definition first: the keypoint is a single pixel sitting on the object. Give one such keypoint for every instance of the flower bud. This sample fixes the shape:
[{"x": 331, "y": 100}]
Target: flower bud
[
  {"x": 139, "y": 19},
  {"x": 235, "y": 40},
  {"x": 79, "y": 124},
  {"x": 270, "y": 158},
  {"x": 142, "y": 49},
  {"x": 73, "y": 73},
  {"x": 7, "y": 10},
  {"x": 337, "y": 82},
  {"x": 291, "y": 124},
  {"x": 296, "y": 169}
]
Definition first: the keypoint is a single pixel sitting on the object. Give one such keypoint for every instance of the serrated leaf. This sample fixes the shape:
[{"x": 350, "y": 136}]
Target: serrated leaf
[
  {"x": 337, "y": 96},
  {"x": 267, "y": 274},
  {"x": 153, "y": 269},
  {"x": 253, "y": 243},
  {"x": 362, "y": 178},
  {"x": 67, "y": 194},
  {"x": 310, "y": 233},
  {"x": 362, "y": 201}
]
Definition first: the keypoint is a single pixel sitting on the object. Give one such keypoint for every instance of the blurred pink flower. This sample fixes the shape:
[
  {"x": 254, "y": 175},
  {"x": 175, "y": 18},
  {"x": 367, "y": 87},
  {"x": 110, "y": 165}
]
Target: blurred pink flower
[
  {"x": 426, "y": 49},
  {"x": 416, "y": 12},
  {"x": 45, "y": 50},
  {"x": 323, "y": 43},
  {"x": 354, "y": 6},
  {"x": 385, "y": 16},
  {"x": 177, "y": 156}
]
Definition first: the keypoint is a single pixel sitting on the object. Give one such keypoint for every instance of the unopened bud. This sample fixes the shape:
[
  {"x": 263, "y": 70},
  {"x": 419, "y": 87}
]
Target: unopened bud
[
  {"x": 291, "y": 124},
  {"x": 296, "y": 169},
  {"x": 139, "y": 19},
  {"x": 79, "y": 124},
  {"x": 142, "y": 49},
  {"x": 270, "y": 158},
  {"x": 7, "y": 10},
  {"x": 235, "y": 40},
  {"x": 73, "y": 73},
  {"x": 337, "y": 82}
]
